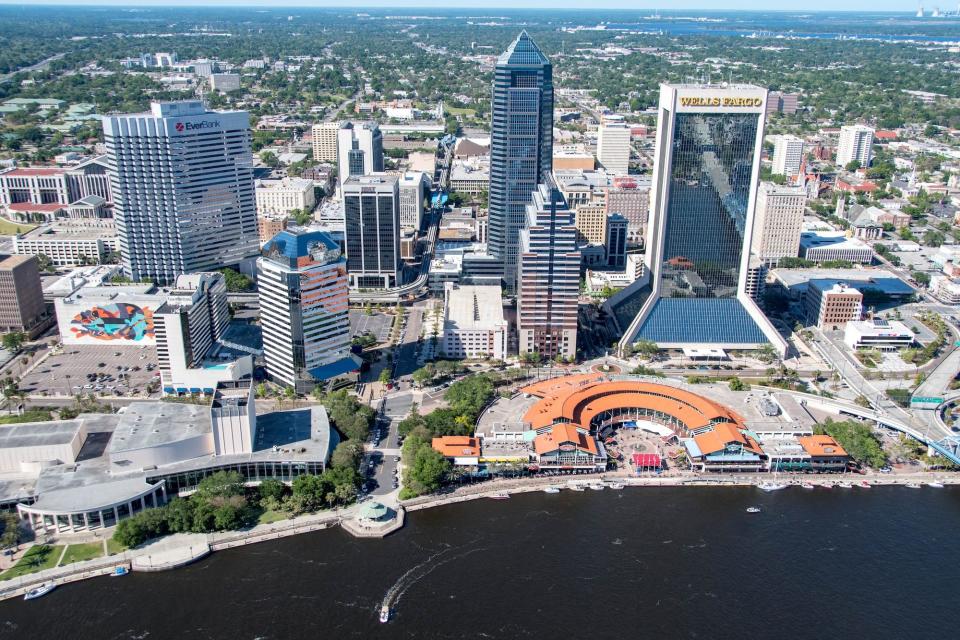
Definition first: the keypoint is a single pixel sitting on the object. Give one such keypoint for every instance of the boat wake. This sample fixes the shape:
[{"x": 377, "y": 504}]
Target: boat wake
[{"x": 419, "y": 572}]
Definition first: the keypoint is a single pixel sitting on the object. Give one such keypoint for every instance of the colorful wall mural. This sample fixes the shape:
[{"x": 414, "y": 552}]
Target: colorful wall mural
[{"x": 122, "y": 322}]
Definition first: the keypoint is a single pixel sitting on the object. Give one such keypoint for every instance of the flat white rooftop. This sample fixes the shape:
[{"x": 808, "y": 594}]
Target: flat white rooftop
[{"x": 474, "y": 307}]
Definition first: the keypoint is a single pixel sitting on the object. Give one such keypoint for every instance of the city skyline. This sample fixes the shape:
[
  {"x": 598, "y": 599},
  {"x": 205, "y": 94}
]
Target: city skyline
[{"x": 882, "y": 6}]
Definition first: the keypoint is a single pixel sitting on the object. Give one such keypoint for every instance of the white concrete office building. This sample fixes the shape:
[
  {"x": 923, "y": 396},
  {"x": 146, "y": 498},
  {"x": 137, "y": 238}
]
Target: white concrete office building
[
  {"x": 414, "y": 190},
  {"x": 613, "y": 147},
  {"x": 359, "y": 150},
  {"x": 856, "y": 143},
  {"x": 182, "y": 183},
  {"x": 787, "y": 156},
  {"x": 473, "y": 323},
  {"x": 778, "y": 222}
]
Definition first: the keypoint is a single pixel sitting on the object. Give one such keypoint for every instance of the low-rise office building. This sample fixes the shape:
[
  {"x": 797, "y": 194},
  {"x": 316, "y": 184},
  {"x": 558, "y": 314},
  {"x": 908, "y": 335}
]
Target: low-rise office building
[
  {"x": 281, "y": 197},
  {"x": 68, "y": 245},
  {"x": 473, "y": 322},
  {"x": 830, "y": 305},
  {"x": 825, "y": 246},
  {"x": 877, "y": 333}
]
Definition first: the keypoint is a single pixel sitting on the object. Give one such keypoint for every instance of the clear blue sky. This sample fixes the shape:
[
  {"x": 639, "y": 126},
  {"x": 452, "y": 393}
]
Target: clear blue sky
[{"x": 909, "y": 6}]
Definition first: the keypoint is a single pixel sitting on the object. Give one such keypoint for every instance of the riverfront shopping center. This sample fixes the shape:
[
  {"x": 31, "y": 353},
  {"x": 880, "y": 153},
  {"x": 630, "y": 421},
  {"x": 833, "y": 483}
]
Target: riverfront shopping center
[{"x": 581, "y": 422}]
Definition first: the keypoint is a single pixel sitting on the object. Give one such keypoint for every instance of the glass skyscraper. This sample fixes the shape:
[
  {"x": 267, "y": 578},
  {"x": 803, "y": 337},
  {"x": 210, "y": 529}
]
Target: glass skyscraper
[
  {"x": 521, "y": 145},
  {"x": 707, "y": 160}
]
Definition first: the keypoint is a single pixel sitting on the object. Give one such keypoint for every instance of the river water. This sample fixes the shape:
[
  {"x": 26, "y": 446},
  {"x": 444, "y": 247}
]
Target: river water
[{"x": 637, "y": 563}]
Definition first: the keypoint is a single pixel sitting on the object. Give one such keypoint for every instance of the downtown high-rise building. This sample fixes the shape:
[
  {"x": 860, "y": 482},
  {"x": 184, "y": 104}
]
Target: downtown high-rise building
[
  {"x": 855, "y": 144},
  {"x": 707, "y": 161},
  {"x": 183, "y": 189},
  {"x": 613, "y": 146},
  {"x": 787, "y": 156},
  {"x": 778, "y": 222},
  {"x": 359, "y": 150},
  {"x": 548, "y": 276},
  {"x": 304, "y": 303},
  {"x": 371, "y": 217},
  {"x": 521, "y": 145},
  {"x": 324, "y": 138}
]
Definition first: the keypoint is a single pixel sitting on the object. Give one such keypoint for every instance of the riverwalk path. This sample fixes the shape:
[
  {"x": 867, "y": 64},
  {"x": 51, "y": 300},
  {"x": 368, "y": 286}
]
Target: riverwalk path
[{"x": 179, "y": 550}]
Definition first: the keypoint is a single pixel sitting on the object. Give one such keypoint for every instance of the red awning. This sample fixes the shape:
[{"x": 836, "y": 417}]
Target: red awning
[{"x": 646, "y": 460}]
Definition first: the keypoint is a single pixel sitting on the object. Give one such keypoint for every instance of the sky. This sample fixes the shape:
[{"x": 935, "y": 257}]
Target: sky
[{"x": 908, "y": 6}]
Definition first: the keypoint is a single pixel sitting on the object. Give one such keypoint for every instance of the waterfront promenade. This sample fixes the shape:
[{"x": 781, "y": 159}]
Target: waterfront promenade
[{"x": 178, "y": 550}]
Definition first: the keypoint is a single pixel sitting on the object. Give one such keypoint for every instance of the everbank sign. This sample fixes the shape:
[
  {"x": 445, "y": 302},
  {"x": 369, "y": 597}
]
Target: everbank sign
[{"x": 181, "y": 127}]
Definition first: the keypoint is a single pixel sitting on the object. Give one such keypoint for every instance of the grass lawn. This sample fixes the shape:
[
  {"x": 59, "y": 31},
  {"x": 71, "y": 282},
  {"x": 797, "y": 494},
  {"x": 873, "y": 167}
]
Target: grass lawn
[
  {"x": 269, "y": 516},
  {"x": 37, "y": 558},
  {"x": 31, "y": 415},
  {"x": 8, "y": 228},
  {"x": 81, "y": 552},
  {"x": 459, "y": 111},
  {"x": 114, "y": 547}
]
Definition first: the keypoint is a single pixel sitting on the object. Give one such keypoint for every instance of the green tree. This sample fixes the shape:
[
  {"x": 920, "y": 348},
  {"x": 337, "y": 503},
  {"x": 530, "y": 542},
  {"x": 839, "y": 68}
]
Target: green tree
[
  {"x": 222, "y": 484},
  {"x": 14, "y": 340},
  {"x": 646, "y": 349},
  {"x": 857, "y": 439},
  {"x": 236, "y": 282},
  {"x": 272, "y": 489}
]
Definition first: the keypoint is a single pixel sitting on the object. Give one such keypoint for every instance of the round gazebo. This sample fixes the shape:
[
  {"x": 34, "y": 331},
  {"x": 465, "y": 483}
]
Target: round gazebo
[{"x": 373, "y": 512}]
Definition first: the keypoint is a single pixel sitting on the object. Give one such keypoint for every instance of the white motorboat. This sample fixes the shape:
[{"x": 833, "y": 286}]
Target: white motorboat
[
  {"x": 551, "y": 490},
  {"x": 597, "y": 487},
  {"x": 502, "y": 495},
  {"x": 42, "y": 590},
  {"x": 616, "y": 485},
  {"x": 771, "y": 486},
  {"x": 935, "y": 484},
  {"x": 577, "y": 487},
  {"x": 807, "y": 485},
  {"x": 384, "y": 613},
  {"x": 753, "y": 509},
  {"x": 913, "y": 485}
]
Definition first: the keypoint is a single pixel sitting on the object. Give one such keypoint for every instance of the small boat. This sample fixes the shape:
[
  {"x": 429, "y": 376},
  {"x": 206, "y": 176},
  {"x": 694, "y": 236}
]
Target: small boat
[
  {"x": 864, "y": 485},
  {"x": 42, "y": 590},
  {"x": 616, "y": 485},
  {"x": 384, "y": 613},
  {"x": 597, "y": 487},
  {"x": 119, "y": 571},
  {"x": 499, "y": 496},
  {"x": 935, "y": 484},
  {"x": 551, "y": 490},
  {"x": 845, "y": 485},
  {"x": 807, "y": 485},
  {"x": 913, "y": 485},
  {"x": 753, "y": 509},
  {"x": 576, "y": 487},
  {"x": 771, "y": 486}
]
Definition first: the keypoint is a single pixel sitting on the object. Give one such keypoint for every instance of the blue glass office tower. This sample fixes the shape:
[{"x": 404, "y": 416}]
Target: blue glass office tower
[
  {"x": 521, "y": 145},
  {"x": 709, "y": 139}
]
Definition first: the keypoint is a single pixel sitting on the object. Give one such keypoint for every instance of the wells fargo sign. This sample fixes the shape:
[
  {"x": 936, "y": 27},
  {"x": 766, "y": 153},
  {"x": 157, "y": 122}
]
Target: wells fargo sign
[{"x": 730, "y": 101}]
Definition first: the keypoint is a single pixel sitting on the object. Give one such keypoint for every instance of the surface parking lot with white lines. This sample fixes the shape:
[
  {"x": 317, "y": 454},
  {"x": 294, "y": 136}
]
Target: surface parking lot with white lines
[{"x": 65, "y": 373}]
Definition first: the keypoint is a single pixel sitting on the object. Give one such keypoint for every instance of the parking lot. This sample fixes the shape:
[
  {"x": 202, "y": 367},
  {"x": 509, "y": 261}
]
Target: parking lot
[
  {"x": 116, "y": 371},
  {"x": 377, "y": 324}
]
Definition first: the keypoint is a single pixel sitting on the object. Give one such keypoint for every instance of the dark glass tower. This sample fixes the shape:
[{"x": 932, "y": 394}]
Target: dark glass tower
[
  {"x": 707, "y": 159},
  {"x": 521, "y": 145}
]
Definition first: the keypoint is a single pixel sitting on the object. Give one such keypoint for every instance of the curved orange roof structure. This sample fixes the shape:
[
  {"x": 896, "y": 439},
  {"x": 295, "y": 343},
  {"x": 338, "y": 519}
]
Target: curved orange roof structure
[{"x": 579, "y": 399}]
